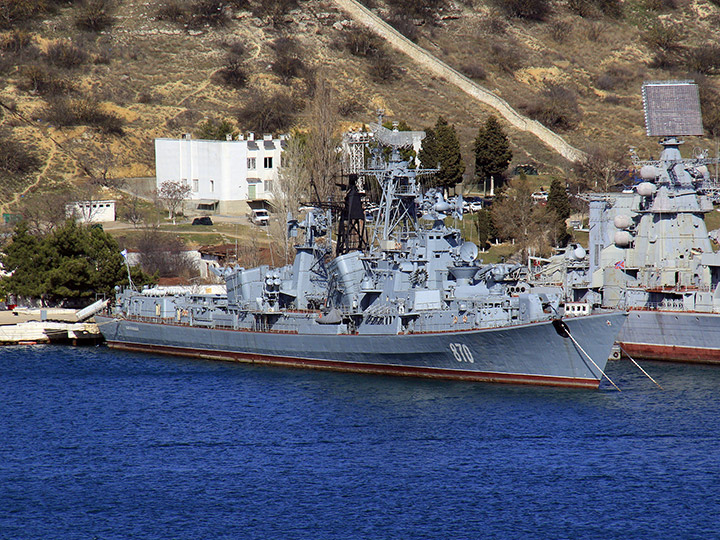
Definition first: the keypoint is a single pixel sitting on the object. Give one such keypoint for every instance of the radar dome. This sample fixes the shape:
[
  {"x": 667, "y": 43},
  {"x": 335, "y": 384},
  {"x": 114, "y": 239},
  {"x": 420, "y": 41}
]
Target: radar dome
[
  {"x": 622, "y": 221},
  {"x": 579, "y": 253},
  {"x": 623, "y": 239},
  {"x": 649, "y": 172},
  {"x": 646, "y": 189}
]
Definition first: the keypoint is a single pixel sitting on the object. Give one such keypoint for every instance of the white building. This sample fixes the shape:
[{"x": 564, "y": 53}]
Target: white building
[
  {"x": 223, "y": 176},
  {"x": 91, "y": 211}
]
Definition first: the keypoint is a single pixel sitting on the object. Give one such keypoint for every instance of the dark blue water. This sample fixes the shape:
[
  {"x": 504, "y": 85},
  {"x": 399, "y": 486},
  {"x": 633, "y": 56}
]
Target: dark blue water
[{"x": 100, "y": 444}]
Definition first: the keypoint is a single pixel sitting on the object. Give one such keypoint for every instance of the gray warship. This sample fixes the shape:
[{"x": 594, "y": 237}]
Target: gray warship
[
  {"x": 411, "y": 301},
  {"x": 649, "y": 249}
]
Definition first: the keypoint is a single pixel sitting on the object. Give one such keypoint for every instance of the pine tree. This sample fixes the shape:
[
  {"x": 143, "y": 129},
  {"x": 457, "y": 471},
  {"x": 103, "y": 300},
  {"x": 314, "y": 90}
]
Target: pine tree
[
  {"x": 492, "y": 152},
  {"x": 441, "y": 146},
  {"x": 72, "y": 263}
]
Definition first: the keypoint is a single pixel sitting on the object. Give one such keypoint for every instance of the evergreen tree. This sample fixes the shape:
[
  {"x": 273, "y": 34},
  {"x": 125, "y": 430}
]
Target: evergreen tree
[
  {"x": 22, "y": 259},
  {"x": 441, "y": 146},
  {"x": 492, "y": 152},
  {"x": 558, "y": 200},
  {"x": 215, "y": 131},
  {"x": 71, "y": 264},
  {"x": 486, "y": 229},
  {"x": 558, "y": 204}
]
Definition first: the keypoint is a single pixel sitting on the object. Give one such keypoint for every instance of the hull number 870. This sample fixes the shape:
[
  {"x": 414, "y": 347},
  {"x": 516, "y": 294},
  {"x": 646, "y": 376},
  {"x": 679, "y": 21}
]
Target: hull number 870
[{"x": 461, "y": 352}]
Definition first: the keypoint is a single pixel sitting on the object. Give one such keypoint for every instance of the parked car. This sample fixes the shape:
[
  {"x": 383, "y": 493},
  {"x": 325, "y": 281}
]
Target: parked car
[
  {"x": 205, "y": 220},
  {"x": 474, "y": 204},
  {"x": 540, "y": 196},
  {"x": 259, "y": 216}
]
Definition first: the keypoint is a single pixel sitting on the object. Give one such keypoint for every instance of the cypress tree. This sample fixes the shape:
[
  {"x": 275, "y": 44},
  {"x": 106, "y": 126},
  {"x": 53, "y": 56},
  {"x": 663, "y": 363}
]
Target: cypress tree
[
  {"x": 486, "y": 229},
  {"x": 558, "y": 200},
  {"x": 492, "y": 152},
  {"x": 559, "y": 204},
  {"x": 441, "y": 146}
]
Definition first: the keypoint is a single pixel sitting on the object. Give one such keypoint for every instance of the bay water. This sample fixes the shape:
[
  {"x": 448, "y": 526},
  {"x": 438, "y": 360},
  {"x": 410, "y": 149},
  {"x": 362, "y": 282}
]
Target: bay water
[{"x": 100, "y": 444}]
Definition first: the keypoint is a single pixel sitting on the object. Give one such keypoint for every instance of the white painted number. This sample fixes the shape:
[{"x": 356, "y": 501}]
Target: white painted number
[{"x": 461, "y": 352}]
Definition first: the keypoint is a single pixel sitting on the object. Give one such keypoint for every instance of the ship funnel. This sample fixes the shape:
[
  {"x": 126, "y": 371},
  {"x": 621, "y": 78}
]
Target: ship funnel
[{"x": 646, "y": 189}]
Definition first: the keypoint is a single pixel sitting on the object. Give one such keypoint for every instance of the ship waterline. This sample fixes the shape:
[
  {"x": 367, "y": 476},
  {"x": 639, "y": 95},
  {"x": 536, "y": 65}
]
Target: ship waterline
[{"x": 524, "y": 354}]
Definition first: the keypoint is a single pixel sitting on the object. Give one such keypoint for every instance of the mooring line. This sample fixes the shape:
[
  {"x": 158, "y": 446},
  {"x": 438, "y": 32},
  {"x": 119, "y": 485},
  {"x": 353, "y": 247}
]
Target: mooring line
[
  {"x": 641, "y": 369},
  {"x": 589, "y": 357}
]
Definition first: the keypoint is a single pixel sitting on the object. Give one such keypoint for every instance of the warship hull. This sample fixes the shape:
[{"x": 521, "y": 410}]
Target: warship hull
[
  {"x": 533, "y": 353},
  {"x": 672, "y": 336}
]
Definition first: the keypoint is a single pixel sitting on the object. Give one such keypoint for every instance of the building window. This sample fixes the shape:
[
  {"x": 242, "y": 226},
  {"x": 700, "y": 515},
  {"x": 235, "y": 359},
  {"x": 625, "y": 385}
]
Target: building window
[
  {"x": 267, "y": 186},
  {"x": 251, "y": 163},
  {"x": 267, "y": 162},
  {"x": 196, "y": 185},
  {"x": 212, "y": 186}
]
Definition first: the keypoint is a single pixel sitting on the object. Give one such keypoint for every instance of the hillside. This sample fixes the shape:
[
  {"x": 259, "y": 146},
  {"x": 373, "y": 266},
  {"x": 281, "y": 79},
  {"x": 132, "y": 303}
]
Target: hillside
[{"x": 579, "y": 70}]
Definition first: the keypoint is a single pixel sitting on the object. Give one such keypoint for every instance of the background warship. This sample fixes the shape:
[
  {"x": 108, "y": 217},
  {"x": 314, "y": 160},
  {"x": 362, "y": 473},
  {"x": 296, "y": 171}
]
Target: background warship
[
  {"x": 649, "y": 248},
  {"x": 411, "y": 301}
]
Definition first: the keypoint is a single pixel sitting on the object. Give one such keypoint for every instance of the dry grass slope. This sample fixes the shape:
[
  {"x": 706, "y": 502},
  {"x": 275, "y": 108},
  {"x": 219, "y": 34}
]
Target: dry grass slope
[{"x": 161, "y": 80}]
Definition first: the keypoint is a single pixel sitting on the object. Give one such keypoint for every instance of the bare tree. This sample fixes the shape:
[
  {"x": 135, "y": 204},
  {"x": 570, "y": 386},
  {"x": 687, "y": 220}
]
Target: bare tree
[
  {"x": 519, "y": 219},
  {"x": 47, "y": 210},
  {"x": 291, "y": 186},
  {"x": 172, "y": 194},
  {"x": 164, "y": 254},
  {"x": 599, "y": 171},
  {"x": 323, "y": 158}
]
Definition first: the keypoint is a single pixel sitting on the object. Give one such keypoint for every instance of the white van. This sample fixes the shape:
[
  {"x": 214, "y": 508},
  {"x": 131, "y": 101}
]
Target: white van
[{"x": 260, "y": 216}]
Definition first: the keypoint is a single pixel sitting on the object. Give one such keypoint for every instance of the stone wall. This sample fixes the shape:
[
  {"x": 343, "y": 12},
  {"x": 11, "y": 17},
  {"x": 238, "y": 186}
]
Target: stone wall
[{"x": 439, "y": 68}]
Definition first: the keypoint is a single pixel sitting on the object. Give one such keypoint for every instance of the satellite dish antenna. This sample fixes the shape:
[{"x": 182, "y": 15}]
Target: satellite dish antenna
[{"x": 468, "y": 252}]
